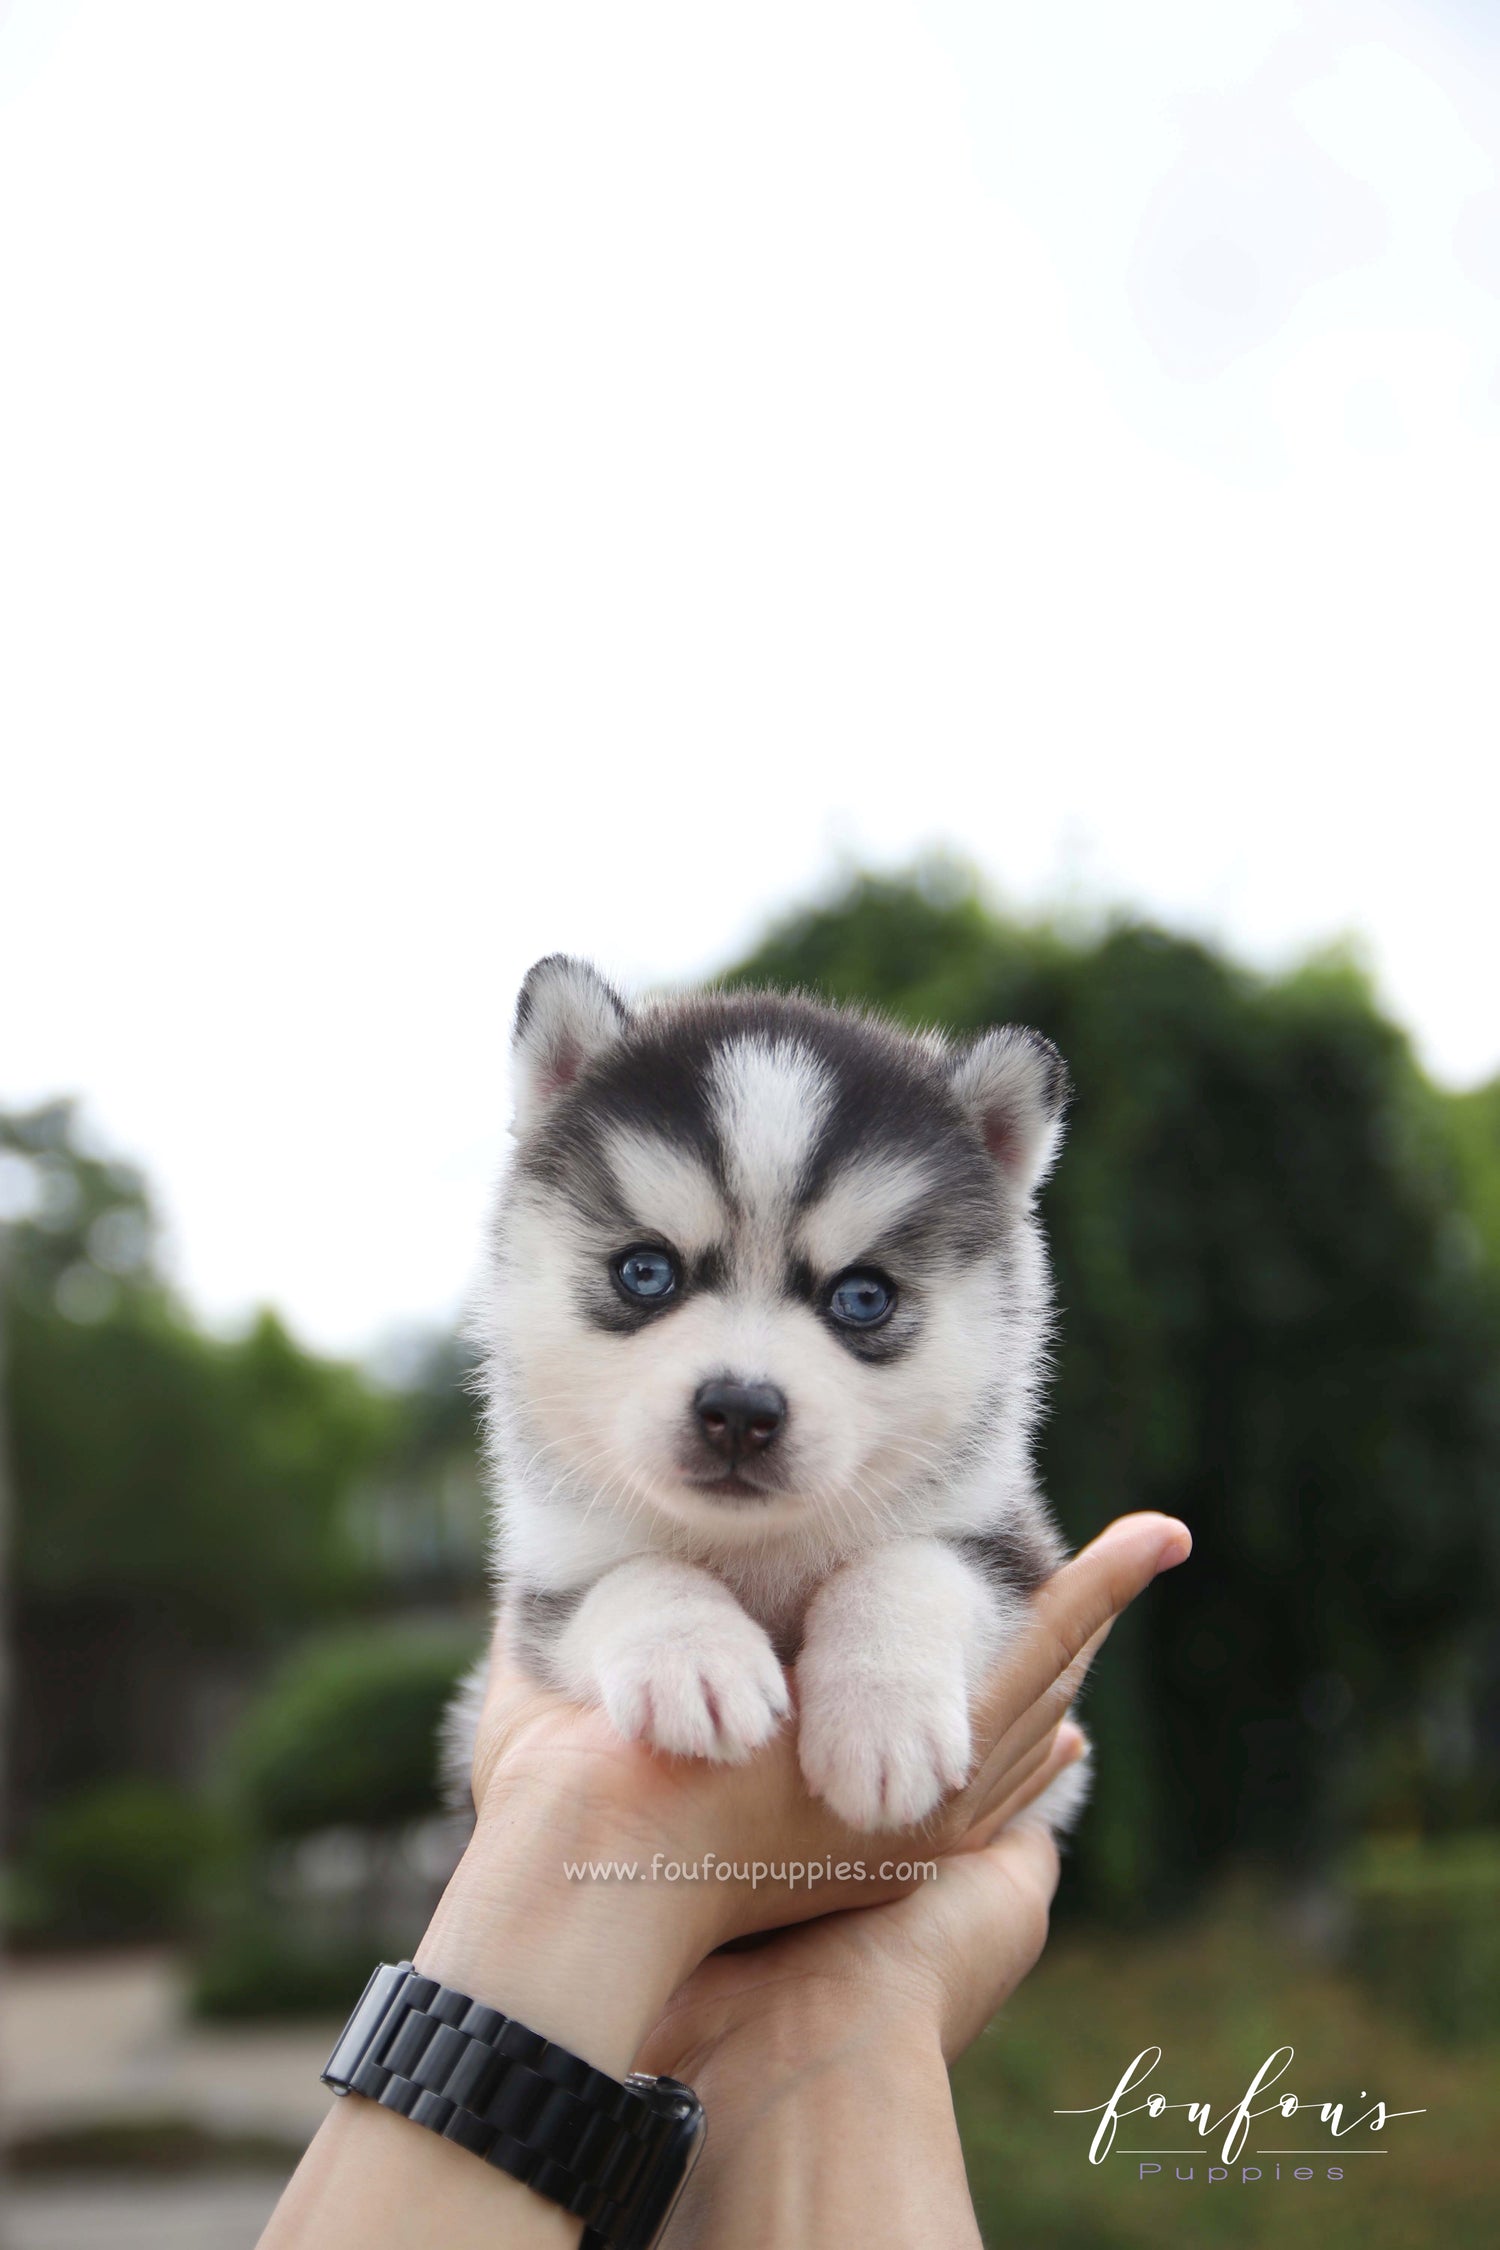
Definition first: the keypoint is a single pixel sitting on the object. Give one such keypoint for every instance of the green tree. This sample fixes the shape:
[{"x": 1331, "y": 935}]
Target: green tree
[
  {"x": 1474, "y": 1126},
  {"x": 1271, "y": 1324},
  {"x": 180, "y": 1499},
  {"x": 345, "y": 1734}
]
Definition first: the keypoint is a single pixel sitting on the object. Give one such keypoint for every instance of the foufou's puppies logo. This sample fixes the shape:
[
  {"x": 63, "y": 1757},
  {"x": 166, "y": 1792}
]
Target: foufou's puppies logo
[{"x": 1288, "y": 2130}]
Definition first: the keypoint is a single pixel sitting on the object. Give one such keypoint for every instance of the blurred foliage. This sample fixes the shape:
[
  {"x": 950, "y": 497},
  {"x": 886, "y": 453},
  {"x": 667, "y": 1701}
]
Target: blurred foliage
[
  {"x": 1276, "y": 1322},
  {"x": 124, "y": 1861},
  {"x": 345, "y": 1734},
  {"x": 258, "y": 1964},
  {"x": 1474, "y": 1126},
  {"x": 157, "y": 1466},
  {"x": 168, "y": 2145},
  {"x": 333, "y": 1774},
  {"x": 1426, "y": 1931},
  {"x": 186, "y": 1503},
  {"x": 76, "y": 1220},
  {"x": 1219, "y": 1992},
  {"x": 424, "y": 1519},
  {"x": 208, "y": 1478}
]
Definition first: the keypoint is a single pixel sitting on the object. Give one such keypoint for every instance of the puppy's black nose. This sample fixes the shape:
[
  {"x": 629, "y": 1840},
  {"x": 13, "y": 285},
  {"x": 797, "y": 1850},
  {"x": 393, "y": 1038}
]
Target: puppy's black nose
[{"x": 739, "y": 1418}]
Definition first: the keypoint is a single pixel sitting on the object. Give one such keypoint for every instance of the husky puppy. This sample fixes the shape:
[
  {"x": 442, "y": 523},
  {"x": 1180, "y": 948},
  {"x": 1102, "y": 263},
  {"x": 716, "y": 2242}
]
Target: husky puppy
[{"x": 762, "y": 1331}]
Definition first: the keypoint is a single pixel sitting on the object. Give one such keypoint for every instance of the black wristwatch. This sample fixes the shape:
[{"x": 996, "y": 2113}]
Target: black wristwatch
[{"x": 615, "y": 2153}]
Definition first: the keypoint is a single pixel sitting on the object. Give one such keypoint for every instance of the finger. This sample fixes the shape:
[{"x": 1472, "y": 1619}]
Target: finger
[
  {"x": 994, "y": 1776},
  {"x": 1071, "y": 1616},
  {"x": 1025, "y": 1766},
  {"x": 1062, "y": 1749},
  {"x": 1074, "y": 1608}
]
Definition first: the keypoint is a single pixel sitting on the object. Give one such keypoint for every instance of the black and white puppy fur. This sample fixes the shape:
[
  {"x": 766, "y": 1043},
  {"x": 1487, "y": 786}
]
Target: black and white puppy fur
[{"x": 763, "y": 1327}]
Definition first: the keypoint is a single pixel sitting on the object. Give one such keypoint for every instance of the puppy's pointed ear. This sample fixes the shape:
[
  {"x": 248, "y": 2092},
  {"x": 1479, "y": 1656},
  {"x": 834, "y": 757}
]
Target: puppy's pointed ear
[
  {"x": 1014, "y": 1085},
  {"x": 565, "y": 1016}
]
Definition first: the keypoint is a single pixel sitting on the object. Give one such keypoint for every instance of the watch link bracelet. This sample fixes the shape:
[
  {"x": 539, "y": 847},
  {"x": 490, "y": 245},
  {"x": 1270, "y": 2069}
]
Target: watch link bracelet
[{"x": 615, "y": 2154}]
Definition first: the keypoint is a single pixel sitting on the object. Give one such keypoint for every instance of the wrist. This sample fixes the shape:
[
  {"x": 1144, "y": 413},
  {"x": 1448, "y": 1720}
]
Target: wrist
[
  {"x": 823, "y": 2130},
  {"x": 775, "y": 2034},
  {"x": 534, "y": 1923},
  {"x": 835, "y": 2031}
]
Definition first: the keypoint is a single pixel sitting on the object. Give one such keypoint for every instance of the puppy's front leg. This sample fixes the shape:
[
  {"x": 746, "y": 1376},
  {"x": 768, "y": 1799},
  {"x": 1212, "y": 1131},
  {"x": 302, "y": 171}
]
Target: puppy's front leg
[
  {"x": 674, "y": 1660},
  {"x": 893, "y": 1647}
]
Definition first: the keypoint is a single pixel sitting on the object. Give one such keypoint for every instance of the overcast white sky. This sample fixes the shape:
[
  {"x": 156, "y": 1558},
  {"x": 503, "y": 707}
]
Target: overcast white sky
[{"x": 481, "y": 479}]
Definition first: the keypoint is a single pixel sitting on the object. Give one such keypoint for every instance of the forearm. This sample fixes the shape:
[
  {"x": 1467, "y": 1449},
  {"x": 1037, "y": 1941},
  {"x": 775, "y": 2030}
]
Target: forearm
[
  {"x": 587, "y": 1964},
  {"x": 373, "y": 2181},
  {"x": 820, "y": 2136}
]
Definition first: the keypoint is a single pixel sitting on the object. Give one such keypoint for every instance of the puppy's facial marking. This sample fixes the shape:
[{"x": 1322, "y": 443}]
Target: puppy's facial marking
[{"x": 746, "y": 1197}]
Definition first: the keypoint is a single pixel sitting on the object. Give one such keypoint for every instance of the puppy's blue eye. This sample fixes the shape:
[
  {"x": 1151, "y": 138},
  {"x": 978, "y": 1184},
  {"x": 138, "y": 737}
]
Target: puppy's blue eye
[
  {"x": 861, "y": 1298},
  {"x": 647, "y": 1274}
]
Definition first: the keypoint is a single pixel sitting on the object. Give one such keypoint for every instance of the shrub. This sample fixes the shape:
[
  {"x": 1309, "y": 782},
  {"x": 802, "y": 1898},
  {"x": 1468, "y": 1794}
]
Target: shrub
[
  {"x": 346, "y": 1733},
  {"x": 164, "y": 2144},
  {"x": 121, "y": 1861},
  {"x": 258, "y": 1965},
  {"x": 1426, "y": 1937}
]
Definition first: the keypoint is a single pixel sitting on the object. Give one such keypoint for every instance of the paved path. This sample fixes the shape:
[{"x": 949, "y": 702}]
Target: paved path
[
  {"x": 96, "y": 2037},
  {"x": 127, "y": 2214},
  {"x": 101, "y": 2038}
]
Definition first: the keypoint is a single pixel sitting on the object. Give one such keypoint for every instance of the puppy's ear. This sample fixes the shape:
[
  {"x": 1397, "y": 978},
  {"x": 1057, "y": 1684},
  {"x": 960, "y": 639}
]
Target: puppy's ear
[
  {"x": 1013, "y": 1084},
  {"x": 565, "y": 1016}
]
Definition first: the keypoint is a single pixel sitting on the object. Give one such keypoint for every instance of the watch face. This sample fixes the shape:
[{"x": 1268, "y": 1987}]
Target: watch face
[
  {"x": 665, "y": 2220},
  {"x": 683, "y": 2148}
]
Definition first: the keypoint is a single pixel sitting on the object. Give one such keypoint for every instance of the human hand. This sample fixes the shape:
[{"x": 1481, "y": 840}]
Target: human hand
[
  {"x": 556, "y": 1787},
  {"x": 821, "y": 2053},
  {"x": 932, "y": 1965}
]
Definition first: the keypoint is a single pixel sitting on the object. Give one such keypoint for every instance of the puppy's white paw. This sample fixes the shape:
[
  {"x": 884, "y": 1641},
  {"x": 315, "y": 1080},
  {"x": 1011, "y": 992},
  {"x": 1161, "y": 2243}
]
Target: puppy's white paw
[
  {"x": 714, "y": 1692},
  {"x": 882, "y": 1750}
]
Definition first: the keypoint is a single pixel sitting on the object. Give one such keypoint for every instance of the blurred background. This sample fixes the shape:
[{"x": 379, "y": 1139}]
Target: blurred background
[{"x": 986, "y": 510}]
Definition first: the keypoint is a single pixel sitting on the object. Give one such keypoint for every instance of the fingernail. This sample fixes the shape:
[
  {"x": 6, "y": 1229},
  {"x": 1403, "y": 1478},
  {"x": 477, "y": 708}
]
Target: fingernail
[
  {"x": 1072, "y": 1741},
  {"x": 1175, "y": 1548}
]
